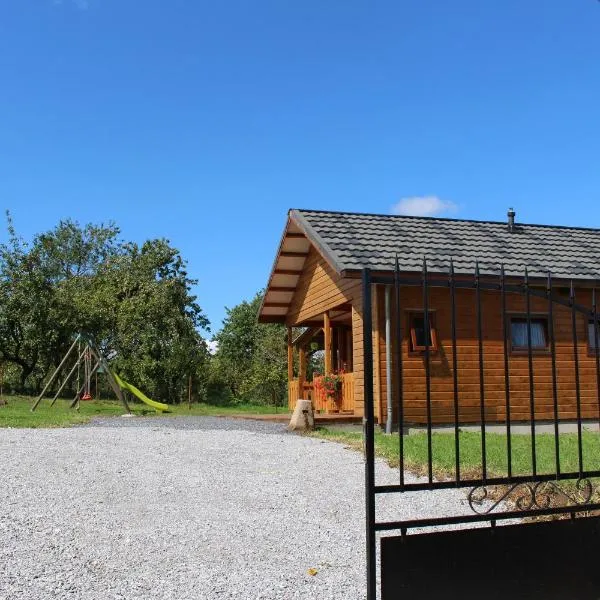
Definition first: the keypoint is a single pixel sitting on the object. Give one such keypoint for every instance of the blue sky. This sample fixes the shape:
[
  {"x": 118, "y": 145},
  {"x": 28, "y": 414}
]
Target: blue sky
[{"x": 203, "y": 122}]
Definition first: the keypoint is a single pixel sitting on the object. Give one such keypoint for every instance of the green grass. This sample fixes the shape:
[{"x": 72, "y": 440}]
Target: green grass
[
  {"x": 443, "y": 452},
  {"x": 17, "y": 413}
]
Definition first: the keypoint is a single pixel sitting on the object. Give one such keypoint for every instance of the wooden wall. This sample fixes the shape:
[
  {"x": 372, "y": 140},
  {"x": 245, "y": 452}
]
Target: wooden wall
[
  {"x": 319, "y": 289},
  {"x": 468, "y": 361}
]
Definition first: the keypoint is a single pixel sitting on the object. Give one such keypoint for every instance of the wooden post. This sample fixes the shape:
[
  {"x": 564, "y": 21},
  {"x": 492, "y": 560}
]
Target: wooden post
[
  {"x": 327, "y": 335},
  {"x": 290, "y": 355},
  {"x": 349, "y": 349},
  {"x": 341, "y": 349},
  {"x": 301, "y": 371},
  {"x": 53, "y": 376}
]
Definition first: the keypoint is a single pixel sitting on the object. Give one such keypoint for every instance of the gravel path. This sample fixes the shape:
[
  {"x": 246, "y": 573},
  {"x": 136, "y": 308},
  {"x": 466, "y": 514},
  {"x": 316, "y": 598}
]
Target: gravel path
[{"x": 185, "y": 508}]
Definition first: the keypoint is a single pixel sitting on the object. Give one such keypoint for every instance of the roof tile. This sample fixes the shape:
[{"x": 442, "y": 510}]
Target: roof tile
[{"x": 355, "y": 241}]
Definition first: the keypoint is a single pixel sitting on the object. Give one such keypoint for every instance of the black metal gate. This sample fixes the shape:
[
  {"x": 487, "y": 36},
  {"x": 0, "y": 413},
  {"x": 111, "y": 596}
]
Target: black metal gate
[{"x": 548, "y": 559}]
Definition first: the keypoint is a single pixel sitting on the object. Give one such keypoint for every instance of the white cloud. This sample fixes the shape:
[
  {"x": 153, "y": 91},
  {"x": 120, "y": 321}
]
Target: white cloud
[
  {"x": 424, "y": 206},
  {"x": 213, "y": 346}
]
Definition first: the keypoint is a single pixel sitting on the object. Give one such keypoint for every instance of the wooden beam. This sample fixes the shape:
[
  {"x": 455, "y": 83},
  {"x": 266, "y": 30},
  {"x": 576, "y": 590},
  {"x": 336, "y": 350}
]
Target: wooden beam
[
  {"x": 341, "y": 348},
  {"x": 290, "y": 354},
  {"x": 301, "y": 372},
  {"x": 296, "y": 236},
  {"x": 272, "y": 318},
  {"x": 276, "y": 304},
  {"x": 281, "y": 288},
  {"x": 289, "y": 254},
  {"x": 304, "y": 338},
  {"x": 327, "y": 333},
  {"x": 349, "y": 349},
  {"x": 287, "y": 272}
]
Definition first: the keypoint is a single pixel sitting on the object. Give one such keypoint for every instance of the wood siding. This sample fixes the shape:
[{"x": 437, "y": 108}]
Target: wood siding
[
  {"x": 442, "y": 397},
  {"x": 319, "y": 289}
]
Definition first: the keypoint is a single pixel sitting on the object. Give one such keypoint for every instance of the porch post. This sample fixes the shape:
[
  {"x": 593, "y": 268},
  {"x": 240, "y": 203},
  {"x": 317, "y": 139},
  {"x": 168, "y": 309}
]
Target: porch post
[
  {"x": 327, "y": 336},
  {"x": 301, "y": 371},
  {"x": 290, "y": 355}
]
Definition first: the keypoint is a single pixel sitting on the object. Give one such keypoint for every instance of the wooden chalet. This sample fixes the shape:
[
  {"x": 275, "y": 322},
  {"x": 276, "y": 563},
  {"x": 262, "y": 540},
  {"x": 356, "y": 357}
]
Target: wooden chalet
[{"x": 315, "y": 289}]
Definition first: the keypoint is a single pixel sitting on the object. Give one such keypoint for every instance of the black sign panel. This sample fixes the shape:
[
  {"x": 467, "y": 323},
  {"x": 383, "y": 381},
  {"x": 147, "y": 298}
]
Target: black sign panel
[{"x": 557, "y": 560}]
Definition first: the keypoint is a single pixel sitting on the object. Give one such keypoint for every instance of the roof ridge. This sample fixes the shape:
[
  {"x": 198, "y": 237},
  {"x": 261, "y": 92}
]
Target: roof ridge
[{"x": 445, "y": 219}]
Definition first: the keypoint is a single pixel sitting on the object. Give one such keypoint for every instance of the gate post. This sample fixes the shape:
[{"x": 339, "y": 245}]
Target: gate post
[{"x": 369, "y": 426}]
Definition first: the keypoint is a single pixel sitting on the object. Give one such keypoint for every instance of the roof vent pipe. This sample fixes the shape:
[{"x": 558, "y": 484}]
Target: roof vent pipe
[{"x": 511, "y": 220}]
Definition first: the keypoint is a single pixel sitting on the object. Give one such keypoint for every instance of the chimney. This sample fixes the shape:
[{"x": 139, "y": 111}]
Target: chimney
[{"x": 511, "y": 220}]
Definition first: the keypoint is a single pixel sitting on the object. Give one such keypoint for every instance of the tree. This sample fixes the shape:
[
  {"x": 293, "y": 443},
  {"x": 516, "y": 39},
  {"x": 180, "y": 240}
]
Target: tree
[
  {"x": 134, "y": 300},
  {"x": 27, "y": 304},
  {"x": 251, "y": 360},
  {"x": 154, "y": 319},
  {"x": 268, "y": 373}
]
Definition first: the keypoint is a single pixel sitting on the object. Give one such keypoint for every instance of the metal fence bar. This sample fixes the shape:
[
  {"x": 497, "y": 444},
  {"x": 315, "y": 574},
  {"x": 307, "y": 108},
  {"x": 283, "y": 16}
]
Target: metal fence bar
[
  {"x": 428, "y": 340},
  {"x": 399, "y": 380},
  {"x": 498, "y": 284},
  {"x": 505, "y": 330},
  {"x": 577, "y": 385},
  {"x": 454, "y": 374},
  {"x": 551, "y": 334},
  {"x": 530, "y": 373},
  {"x": 369, "y": 436},
  {"x": 481, "y": 375},
  {"x": 442, "y": 282},
  {"x": 513, "y": 514},
  {"x": 469, "y": 483}
]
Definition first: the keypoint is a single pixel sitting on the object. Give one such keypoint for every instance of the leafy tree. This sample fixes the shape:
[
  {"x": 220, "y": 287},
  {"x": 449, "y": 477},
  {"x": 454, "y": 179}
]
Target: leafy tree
[
  {"x": 251, "y": 360},
  {"x": 154, "y": 319},
  {"x": 268, "y": 374},
  {"x": 135, "y": 300},
  {"x": 27, "y": 304}
]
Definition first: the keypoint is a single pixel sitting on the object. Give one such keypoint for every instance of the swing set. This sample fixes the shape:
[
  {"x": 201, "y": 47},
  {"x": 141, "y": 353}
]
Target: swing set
[{"x": 93, "y": 362}]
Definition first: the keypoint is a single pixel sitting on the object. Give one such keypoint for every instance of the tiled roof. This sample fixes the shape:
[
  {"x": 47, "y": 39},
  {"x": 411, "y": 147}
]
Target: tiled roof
[{"x": 353, "y": 241}]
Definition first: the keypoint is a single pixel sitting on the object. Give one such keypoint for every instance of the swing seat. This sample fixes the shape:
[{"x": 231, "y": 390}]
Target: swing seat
[{"x": 87, "y": 397}]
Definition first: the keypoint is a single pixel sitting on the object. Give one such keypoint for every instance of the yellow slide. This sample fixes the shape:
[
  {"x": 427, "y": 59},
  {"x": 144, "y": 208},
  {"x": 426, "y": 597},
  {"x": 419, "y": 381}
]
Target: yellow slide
[{"x": 139, "y": 394}]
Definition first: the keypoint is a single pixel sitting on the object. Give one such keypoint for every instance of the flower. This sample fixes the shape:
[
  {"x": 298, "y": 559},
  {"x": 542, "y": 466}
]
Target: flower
[{"x": 332, "y": 383}]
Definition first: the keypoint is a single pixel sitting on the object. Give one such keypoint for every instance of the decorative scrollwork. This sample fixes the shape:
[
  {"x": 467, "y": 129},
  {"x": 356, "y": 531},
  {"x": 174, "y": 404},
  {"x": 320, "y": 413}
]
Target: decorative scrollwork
[{"x": 484, "y": 499}]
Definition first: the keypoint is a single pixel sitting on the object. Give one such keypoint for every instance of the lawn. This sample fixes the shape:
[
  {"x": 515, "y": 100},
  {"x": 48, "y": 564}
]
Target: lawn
[
  {"x": 443, "y": 454},
  {"x": 17, "y": 412}
]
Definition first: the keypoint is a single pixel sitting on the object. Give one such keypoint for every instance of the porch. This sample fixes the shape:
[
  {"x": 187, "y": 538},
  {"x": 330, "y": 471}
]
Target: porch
[{"x": 309, "y": 382}]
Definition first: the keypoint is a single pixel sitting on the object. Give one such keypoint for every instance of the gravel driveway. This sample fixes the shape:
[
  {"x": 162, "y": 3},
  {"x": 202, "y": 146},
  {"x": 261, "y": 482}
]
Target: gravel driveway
[{"x": 185, "y": 508}]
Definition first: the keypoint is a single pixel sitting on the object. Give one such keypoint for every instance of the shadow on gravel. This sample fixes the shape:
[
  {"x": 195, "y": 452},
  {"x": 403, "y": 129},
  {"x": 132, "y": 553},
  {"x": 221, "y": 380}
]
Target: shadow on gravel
[{"x": 191, "y": 423}]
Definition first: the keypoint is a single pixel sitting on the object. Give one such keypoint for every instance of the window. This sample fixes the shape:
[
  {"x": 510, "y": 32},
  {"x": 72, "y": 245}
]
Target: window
[
  {"x": 419, "y": 338},
  {"x": 539, "y": 333},
  {"x": 592, "y": 336}
]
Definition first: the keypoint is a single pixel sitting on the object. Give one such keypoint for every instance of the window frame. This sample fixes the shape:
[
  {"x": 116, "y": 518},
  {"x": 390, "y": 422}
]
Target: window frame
[
  {"x": 413, "y": 348},
  {"x": 591, "y": 350},
  {"x": 523, "y": 350}
]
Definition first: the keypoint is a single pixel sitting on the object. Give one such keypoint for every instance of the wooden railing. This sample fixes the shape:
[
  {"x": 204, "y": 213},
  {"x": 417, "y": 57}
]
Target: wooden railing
[
  {"x": 319, "y": 399},
  {"x": 293, "y": 394},
  {"x": 316, "y": 394},
  {"x": 347, "y": 392}
]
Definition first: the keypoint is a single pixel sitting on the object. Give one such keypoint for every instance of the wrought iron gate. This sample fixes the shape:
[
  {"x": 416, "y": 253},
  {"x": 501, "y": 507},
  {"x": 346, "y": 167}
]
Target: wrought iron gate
[{"x": 493, "y": 497}]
